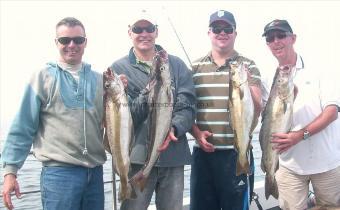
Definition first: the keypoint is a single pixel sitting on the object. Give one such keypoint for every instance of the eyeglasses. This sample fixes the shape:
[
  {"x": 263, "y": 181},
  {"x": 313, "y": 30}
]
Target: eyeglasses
[
  {"x": 139, "y": 30},
  {"x": 271, "y": 37},
  {"x": 218, "y": 30},
  {"x": 67, "y": 40}
]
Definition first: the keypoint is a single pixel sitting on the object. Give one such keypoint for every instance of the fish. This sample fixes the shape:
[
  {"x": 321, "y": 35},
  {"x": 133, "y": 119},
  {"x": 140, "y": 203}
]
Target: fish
[
  {"x": 277, "y": 118},
  {"x": 241, "y": 108},
  {"x": 118, "y": 137},
  {"x": 160, "y": 101}
]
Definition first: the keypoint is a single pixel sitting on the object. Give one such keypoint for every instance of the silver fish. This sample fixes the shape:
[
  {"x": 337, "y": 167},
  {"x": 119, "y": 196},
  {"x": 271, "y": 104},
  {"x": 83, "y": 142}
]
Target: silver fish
[
  {"x": 160, "y": 102},
  {"x": 277, "y": 118},
  {"x": 118, "y": 127},
  {"x": 241, "y": 107}
]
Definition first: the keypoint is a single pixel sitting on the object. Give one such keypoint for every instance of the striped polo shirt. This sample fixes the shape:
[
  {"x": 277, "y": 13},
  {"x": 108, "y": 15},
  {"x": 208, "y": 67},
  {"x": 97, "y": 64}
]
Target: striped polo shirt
[{"x": 212, "y": 91}]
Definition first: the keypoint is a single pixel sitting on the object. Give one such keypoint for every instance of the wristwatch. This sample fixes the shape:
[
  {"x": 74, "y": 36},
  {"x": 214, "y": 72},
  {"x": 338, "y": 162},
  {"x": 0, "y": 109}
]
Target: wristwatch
[{"x": 306, "y": 134}]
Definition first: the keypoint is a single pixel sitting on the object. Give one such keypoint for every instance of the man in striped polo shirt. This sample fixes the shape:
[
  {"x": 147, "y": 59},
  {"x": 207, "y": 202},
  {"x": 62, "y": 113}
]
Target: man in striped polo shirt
[{"x": 214, "y": 184}]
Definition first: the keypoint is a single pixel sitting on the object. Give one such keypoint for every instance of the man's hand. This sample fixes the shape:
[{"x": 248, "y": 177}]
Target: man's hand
[
  {"x": 124, "y": 80},
  {"x": 201, "y": 139},
  {"x": 283, "y": 141},
  {"x": 170, "y": 137},
  {"x": 10, "y": 185}
]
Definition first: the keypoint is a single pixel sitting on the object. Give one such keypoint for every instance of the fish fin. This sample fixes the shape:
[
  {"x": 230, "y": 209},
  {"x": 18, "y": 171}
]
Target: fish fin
[
  {"x": 253, "y": 125},
  {"x": 126, "y": 191},
  {"x": 241, "y": 93},
  {"x": 263, "y": 167},
  {"x": 132, "y": 142},
  {"x": 285, "y": 107},
  {"x": 106, "y": 142},
  {"x": 263, "y": 161},
  {"x": 242, "y": 168},
  {"x": 169, "y": 94},
  {"x": 133, "y": 194},
  {"x": 277, "y": 166},
  {"x": 138, "y": 180},
  {"x": 142, "y": 183},
  {"x": 122, "y": 194},
  {"x": 271, "y": 187}
]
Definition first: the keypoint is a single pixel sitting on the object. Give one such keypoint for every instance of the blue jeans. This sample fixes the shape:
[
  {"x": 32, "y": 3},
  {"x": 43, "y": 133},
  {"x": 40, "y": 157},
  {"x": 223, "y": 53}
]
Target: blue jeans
[
  {"x": 72, "y": 188},
  {"x": 214, "y": 184}
]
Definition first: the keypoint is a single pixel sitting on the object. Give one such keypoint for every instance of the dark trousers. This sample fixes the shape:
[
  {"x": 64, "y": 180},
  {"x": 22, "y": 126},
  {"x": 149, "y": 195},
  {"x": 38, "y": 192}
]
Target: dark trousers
[{"x": 214, "y": 184}]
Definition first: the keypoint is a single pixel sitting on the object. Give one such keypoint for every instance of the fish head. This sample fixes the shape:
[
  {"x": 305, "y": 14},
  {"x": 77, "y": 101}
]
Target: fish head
[
  {"x": 284, "y": 80},
  {"x": 238, "y": 73},
  {"x": 111, "y": 83},
  {"x": 161, "y": 66},
  {"x": 234, "y": 68}
]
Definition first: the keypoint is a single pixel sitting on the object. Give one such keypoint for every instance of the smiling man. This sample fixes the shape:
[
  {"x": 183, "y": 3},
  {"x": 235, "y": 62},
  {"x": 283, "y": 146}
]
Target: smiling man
[
  {"x": 214, "y": 184},
  {"x": 310, "y": 152},
  {"x": 167, "y": 176},
  {"x": 61, "y": 115}
]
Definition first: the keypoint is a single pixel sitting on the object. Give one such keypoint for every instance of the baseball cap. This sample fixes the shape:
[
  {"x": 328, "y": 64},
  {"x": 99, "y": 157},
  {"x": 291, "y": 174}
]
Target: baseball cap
[
  {"x": 277, "y": 24},
  {"x": 223, "y": 16},
  {"x": 142, "y": 15}
]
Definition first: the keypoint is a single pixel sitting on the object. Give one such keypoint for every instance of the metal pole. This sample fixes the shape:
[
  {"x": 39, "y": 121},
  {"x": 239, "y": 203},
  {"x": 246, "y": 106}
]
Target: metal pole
[{"x": 114, "y": 187}]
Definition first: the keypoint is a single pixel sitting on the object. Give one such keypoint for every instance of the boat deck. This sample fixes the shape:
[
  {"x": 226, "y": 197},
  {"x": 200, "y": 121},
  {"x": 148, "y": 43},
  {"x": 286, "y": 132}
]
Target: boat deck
[{"x": 270, "y": 204}]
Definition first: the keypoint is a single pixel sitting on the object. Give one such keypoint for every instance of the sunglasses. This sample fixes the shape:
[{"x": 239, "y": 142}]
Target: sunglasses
[
  {"x": 271, "y": 37},
  {"x": 67, "y": 40},
  {"x": 139, "y": 30},
  {"x": 218, "y": 30}
]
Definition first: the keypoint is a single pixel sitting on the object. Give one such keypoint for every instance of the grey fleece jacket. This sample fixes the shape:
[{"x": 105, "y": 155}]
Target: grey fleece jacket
[{"x": 178, "y": 153}]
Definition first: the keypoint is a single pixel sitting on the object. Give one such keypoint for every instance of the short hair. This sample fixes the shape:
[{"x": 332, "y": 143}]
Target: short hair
[{"x": 70, "y": 22}]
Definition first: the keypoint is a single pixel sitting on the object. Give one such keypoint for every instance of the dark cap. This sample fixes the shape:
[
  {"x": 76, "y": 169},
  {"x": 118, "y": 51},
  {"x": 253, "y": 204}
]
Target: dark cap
[
  {"x": 223, "y": 16},
  {"x": 277, "y": 24}
]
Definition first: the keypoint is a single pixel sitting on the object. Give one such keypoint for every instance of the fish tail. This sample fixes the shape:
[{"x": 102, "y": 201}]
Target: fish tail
[
  {"x": 126, "y": 191},
  {"x": 271, "y": 187},
  {"x": 139, "y": 180},
  {"x": 242, "y": 166},
  {"x": 122, "y": 195},
  {"x": 132, "y": 190}
]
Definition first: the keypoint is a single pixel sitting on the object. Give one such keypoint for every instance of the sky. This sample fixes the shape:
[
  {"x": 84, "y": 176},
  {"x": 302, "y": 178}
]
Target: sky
[{"x": 27, "y": 32}]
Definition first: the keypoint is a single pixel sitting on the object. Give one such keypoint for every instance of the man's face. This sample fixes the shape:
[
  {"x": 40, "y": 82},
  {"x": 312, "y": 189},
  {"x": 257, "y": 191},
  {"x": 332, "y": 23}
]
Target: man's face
[
  {"x": 71, "y": 52},
  {"x": 222, "y": 36},
  {"x": 280, "y": 43},
  {"x": 143, "y": 35}
]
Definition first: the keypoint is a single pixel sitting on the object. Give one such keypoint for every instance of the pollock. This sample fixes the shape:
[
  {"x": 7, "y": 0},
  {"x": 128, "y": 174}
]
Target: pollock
[
  {"x": 241, "y": 108},
  {"x": 160, "y": 101},
  {"x": 118, "y": 130},
  {"x": 277, "y": 118}
]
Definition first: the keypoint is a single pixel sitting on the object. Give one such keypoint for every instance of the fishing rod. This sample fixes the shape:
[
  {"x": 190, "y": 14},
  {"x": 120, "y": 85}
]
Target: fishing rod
[{"x": 178, "y": 38}]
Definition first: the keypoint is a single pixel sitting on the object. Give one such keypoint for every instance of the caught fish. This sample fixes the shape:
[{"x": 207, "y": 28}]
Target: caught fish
[
  {"x": 118, "y": 127},
  {"x": 160, "y": 102},
  {"x": 277, "y": 118},
  {"x": 241, "y": 109}
]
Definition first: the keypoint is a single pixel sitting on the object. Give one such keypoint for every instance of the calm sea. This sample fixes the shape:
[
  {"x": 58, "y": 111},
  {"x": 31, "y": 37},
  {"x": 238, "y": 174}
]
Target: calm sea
[{"x": 29, "y": 175}]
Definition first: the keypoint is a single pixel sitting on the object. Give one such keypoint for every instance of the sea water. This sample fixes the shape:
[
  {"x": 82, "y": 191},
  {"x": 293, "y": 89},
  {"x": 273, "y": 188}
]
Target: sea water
[{"x": 29, "y": 175}]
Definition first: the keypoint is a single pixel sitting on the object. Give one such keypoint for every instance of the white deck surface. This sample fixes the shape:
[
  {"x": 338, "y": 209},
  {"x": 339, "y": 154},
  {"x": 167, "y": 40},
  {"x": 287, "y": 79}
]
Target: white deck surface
[{"x": 258, "y": 188}]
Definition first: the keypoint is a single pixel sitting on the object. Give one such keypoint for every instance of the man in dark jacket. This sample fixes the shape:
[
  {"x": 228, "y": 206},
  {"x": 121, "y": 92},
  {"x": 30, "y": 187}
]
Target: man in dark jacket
[{"x": 167, "y": 175}]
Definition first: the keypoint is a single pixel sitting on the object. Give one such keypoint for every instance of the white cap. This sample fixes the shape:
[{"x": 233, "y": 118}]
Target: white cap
[{"x": 142, "y": 15}]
